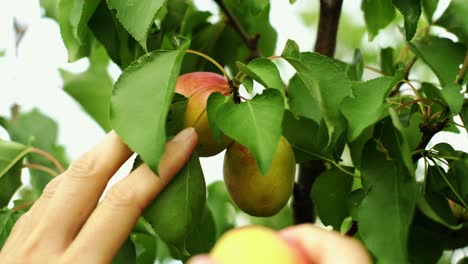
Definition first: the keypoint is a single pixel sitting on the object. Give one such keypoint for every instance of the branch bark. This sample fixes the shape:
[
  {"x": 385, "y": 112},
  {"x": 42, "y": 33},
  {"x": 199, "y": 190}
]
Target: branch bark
[
  {"x": 250, "y": 41},
  {"x": 303, "y": 206}
]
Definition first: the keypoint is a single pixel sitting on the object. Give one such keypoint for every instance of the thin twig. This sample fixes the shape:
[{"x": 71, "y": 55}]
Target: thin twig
[
  {"x": 250, "y": 41},
  {"x": 48, "y": 156},
  {"x": 462, "y": 72},
  {"x": 406, "y": 72},
  {"x": 41, "y": 168},
  {"x": 22, "y": 206}
]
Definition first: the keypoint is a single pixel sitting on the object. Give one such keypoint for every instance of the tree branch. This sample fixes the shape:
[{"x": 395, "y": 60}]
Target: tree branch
[
  {"x": 328, "y": 26},
  {"x": 250, "y": 41},
  {"x": 428, "y": 130},
  {"x": 303, "y": 206},
  {"x": 462, "y": 72}
]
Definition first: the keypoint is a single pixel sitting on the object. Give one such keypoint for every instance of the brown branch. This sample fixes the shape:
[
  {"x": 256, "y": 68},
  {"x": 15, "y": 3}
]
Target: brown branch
[
  {"x": 328, "y": 26},
  {"x": 428, "y": 130},
  {"x": 22, "y": 206},
  {"x": 250, "y": 41},
  {"x": 463, "y": 70},
  {"x": 303, "y": 206},
  {"x": 40, "y": 168}
]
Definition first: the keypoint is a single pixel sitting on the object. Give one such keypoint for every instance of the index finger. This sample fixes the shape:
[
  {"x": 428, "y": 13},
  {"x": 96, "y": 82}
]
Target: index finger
[{"x": 325, "y": 247}]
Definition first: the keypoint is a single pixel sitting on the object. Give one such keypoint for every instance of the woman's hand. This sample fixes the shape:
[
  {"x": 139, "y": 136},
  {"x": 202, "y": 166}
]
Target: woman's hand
[{"x": 67, "y": 225}]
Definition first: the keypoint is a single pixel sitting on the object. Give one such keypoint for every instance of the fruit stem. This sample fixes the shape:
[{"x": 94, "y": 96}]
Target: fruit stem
[
  {"x": 461, "y": 74},
  {"x": 47, "y": 156},
  {"x": 40, "y": 168},
  {"x": 203, "y": 55}
]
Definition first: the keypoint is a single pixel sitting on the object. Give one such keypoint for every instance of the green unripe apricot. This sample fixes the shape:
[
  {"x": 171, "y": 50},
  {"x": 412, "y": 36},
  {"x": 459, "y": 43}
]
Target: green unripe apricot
[{"x": 252, "y": 192}]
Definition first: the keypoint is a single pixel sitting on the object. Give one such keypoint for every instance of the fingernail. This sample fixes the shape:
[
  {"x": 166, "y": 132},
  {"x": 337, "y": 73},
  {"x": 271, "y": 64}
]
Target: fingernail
[{"x": 184, "y": 134}]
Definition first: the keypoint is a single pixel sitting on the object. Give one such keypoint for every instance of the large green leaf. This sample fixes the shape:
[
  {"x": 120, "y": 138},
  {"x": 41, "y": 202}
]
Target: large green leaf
[
  {"x": 330, "y": 193},
  {"x": 82, "y": 12},
  {"x": 40, "y": 131},
  {"x": 146, "y": 247},
  {"x": 11, "y": 157},
  {"x": 411, "y": 11},
  {"x": 222, "y": 207},
  {"x": 301, "y": 101},
  {"x": 126, "y": 254},
  {"x": 137, "y": 16},
  {"x": 92, "y": 89},
  {"x": 50, "y": 8},
  {"x": 453, "y": 97},
  {"x": 367, "y": 106},
  {"x": 307, "y": 138},
  {"x": 464, "y": 115},
  {"x": 141, "y": 101},
  {"x": 265, "y": 72},
  {"x": 456, "y": 20},
  {"x": 7, "y": 221},
  {"x": 444, "y": 64},
  {"x": 179, "y": 207},
  {"x": 120, "y": 46},
  {"x": 77, "y": 48},
  {"x": 326, "y": 84},
  {"x": 378, "y": 14},
  {"x": 389, "y": 202},
  {"x": 429, "y": 7},
  {"x": 255, "y": 124},
  {"x": 215, "y": 101}
]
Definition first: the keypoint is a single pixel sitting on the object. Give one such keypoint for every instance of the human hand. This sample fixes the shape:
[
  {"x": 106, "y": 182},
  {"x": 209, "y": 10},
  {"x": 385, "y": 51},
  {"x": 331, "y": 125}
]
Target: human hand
[
  {"x": 67, "y": 225},
  {"x": 316, "y": 246}
]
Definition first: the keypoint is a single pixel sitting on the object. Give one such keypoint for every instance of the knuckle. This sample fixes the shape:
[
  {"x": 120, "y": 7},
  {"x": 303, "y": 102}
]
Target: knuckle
[
  {"x": 84, "y": 168},
  {"x": 123, "y": 196}
]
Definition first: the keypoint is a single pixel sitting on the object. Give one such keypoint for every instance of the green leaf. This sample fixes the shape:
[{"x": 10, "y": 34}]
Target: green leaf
[
  {"x": 179, "y": 207},
  {"x": 11, "y": 161},
  {"x": 378, "y": 14},
  {"x": 367, "y": 96},
  {"x": 386, "y": 61},
  {"x": 137, "y": 17},
  {"x": 120, "y": 46},
  {"x": 201, "y": 238},
  {"x": 327, "y": 85},
  {"x": 261, "y": 117},
  {"x": 40, "y": 131},
  {"x": 176, "y": 115},
  {"x": 77, "y": 48},
  {"x": 429, "y": 7},
  {"x": 453, "y": 183},
  {"x": 435, "y": 206},
  {"x": 444, "y": 64},
  {"x": 301, "y": 101},
  {"x": 255, "y": 7},
  {"x": 330, "y": 193},
  {"x": 307, "y": 138},
  {"x": 222, "y": 207},
  {"x": 464, "y": 115},
  {"x": 126, "y": 254},
  {"x": 92, "y": 89},
  {"x": 291, "y": 50},
  {"x": 389, "y": 201},
  {"x": 214, "y": 103},
  {"x": 456, "y": 20},
  {"x": 50, "y": 8},
  {"x": 82, "y": 12},
  {"x": 453, "y": 97},
  {"x": 141, "y": 101},
  {"x": 265, "y": 72},
  {"x": 411, "y": 11},
  {"x": 7, "y": 221},
  {"x": 145, "y": 247}
]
